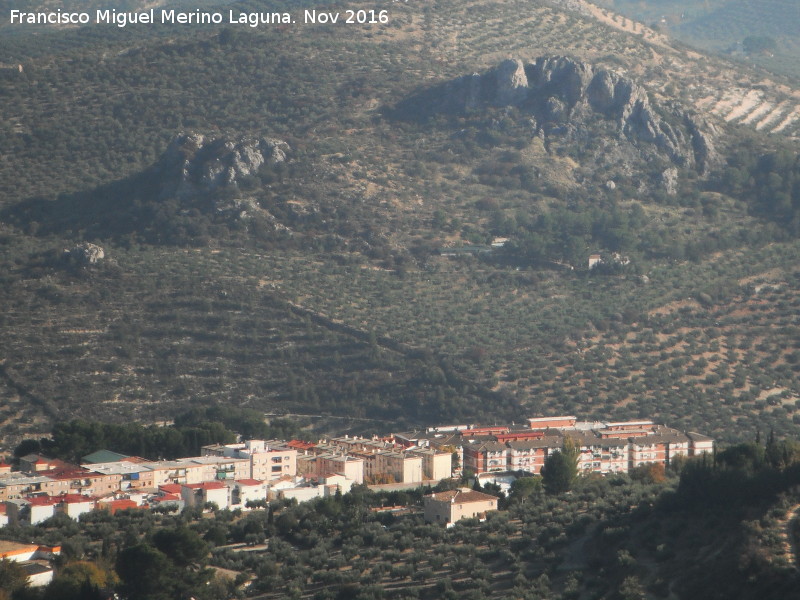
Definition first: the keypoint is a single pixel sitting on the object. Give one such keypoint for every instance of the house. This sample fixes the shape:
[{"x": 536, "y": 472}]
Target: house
[
  {"x": 454, "y": 505},
  {"x": 334, "y": 480},
  {"x": 302, "y": 493},
  {"x": 75, "y": 505},
  {"x": 594, "y": 260},
  {"x": 168, "y": 501},
  {"x": 34, "y": 559},
  {"x": 500, "y": 479},
  {"x": 200, "y": 494},
  {"x": 113, "y": 506},
  {"x": 243, "y": 491},
  {"x": 529, "y": 455},
  {"x": 35, "y": 509},
  {"x": 217, "y": 468},
  {"x": 39, "y": 573},
  {"x": 33, "y": 463}
]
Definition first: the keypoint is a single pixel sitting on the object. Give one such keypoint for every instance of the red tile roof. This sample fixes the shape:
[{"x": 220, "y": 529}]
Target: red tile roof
[
  {"x": 249, "y": 481},
  {"x": 116, "y": 505},
  {"x": 170, "y": 488},
  {"x": 75, "y": 498},
  {"x": 461, "y": 496},
  {"x": 300, "y": 445},
  {"x": 42, "y": 500},
  {"x": 166, "y": 498},
  {"x": 206, "y": 485}
]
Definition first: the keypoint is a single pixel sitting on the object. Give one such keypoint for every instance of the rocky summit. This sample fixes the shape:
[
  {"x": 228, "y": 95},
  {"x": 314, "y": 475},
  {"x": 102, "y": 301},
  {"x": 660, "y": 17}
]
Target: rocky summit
[
  {"x": 564, "y": 96},
  {"x": 194, "y": 163}
]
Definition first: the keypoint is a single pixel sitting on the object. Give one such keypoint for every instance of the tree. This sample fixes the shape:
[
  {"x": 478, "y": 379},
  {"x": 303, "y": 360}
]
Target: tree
[
  {"x": 12, "y": 578},
  {"x": 524, "y": 487},
  {"x": 80, "y": 581},
  {"x": 561, "y": 468},
  {"x": 182, "y": 545},
  {"x": 759, "y": 44},
  {"x": 146, "y": 573}
]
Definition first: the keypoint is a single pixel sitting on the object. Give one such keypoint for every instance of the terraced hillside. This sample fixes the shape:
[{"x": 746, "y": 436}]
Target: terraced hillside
[
  {"x": 721, "y": 26},
  {"x": 341, "y": 301},
  {"x": 769, "y": 106}
]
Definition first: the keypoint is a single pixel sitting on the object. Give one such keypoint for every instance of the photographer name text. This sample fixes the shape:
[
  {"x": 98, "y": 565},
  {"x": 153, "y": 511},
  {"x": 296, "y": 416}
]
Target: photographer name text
[{"x": 199, "y": 17}]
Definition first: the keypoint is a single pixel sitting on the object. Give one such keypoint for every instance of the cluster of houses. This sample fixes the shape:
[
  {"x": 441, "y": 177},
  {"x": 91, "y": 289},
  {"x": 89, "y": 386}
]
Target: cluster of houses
[
  {"x": 237, "y": 475},
  {"x": 249, "y": 473}
]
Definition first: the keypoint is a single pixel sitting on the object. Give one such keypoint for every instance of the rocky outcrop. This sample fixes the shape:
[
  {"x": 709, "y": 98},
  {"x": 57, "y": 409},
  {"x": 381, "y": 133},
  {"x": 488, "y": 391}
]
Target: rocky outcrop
[
  {"x": 195, "y": 164},
  {"x": 84, "y": 254},
  {"x": 564, "y": 96},
  {"x": 669, "y": 181},
  {"x": 511, "y": 83}
]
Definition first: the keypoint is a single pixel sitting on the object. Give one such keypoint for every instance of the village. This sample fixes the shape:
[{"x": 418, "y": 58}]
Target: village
[{"x": 250, "y": 473}]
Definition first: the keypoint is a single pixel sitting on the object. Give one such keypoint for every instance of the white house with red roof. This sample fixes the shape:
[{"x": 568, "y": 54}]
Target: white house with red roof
[
  {"x": 200, "y": 494},
  {"x": 243, "y": 491},
  {"x": 75, "y": 505}
]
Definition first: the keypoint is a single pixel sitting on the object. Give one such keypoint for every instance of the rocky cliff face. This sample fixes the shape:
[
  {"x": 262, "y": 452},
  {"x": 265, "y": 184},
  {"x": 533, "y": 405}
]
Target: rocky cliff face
[
  {"x": 564, "y": 95},
  {"x": 195, "y": 164}
]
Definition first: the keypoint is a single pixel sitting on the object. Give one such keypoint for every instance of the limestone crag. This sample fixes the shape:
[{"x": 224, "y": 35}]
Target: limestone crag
[
  {"x": 564, "y": 95},
  {"x": 511, "y": 82},
  {"x": 195, "y": 164}
]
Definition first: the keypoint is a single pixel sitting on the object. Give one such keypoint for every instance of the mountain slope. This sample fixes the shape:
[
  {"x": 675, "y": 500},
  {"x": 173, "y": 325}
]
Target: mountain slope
[{"x": 350, "y": 230}]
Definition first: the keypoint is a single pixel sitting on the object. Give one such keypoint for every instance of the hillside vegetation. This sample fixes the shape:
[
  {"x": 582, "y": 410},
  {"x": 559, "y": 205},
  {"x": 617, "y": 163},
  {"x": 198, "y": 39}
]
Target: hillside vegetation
[{"x": 316, "y": 285}]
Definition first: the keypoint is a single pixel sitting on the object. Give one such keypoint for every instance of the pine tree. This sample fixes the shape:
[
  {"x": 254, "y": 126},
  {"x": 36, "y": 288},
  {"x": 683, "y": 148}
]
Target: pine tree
[{"x": 561, "y": 468}]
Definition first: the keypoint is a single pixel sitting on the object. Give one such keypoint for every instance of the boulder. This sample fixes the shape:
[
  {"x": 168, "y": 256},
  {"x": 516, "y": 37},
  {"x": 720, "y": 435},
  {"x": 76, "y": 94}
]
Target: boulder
[{"x": 85, "y": 254}]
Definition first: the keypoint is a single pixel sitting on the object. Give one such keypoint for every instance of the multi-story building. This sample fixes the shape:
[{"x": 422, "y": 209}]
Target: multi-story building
[
  {"x": 174, "y": 471},
  {"x": 485, "y": 456},
  {"x": 436, "y": 464},
  {"x": 352, "y": 467},
  {"x": 403, "y": 467},
  {"x": 605, "y": 447},
  {"x": 219, "y": 468},
  {"x": 268, "y": 460},
  {"x": 134, "y": 475},
  {"x": 17, "y": 485},
  {"x": 529, "y": 455}
]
